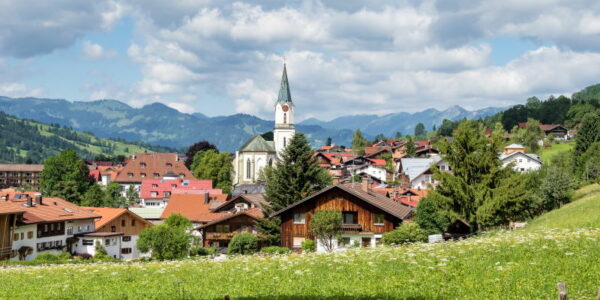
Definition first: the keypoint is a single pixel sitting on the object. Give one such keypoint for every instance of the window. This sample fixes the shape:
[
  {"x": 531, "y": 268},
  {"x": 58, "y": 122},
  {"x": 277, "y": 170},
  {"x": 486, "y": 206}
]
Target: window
[
  {"x": 132, "y": 222},
  {"x": 167, "y": 194},
  {"x": 30, "y": 234},
  {"x": 45, "y": 227},
  {"x": 87, "y": 228},
  {"x": 142, "y": 165},
  {"x": 69, "y": 230},
  {"x": 222, "y": 228},
  {"x": 366, "y": 242},
  {"x": 379, "y": 219},
  {"x": 297, "y": 242},
  {"x": 126, "y": 251},
  {"x": 284, "y": 142},
  {"x": 129, "y": 175},
  {"x": 78, "y": 228},
  {"x": 154, "y": 185},
  {"x": 248, "y": 169},
  {"x": 122, "y": 223},
  {"x": 51, "y": 227},
  {"x": 58, "y": 226},
  {"x": 270, "y": 162},
  {"x": 156, "y": 175},
  {"x": 15, "y": 237},
  {"x": 350, "y": 217},
  {"x": 169, "y": 165},
  {"x": 378, "y": 242},
  {"x": 153, "y": 194},
  {"x": 143, "y": 175},
  {"x": 113, "y": 241},
  {"x": 107, "y": 242},
  {"x": 87, "y": 242},
  {"x": 284, "y": 118},
  {"x": 22, "y": 235},
  {"x": 299, "y": 218},
  {"x": 173, "y": 186},
  {"x": 113, "y": 228},
  {"x": 344, "y": 242},
  {"x": 126, "y": 238}
]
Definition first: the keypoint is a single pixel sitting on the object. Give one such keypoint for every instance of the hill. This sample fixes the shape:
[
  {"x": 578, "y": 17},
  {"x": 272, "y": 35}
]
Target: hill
[
  {"x": 159, "y": 124},
  {"x": 30, "y": 141},
  {"x": 522, "y": 264}
]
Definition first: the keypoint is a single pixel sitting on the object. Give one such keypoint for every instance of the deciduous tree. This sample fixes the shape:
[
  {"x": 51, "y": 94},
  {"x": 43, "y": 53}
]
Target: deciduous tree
[
  {"x": 65, "y": 176},
  {"x": 326, "y": 226}
]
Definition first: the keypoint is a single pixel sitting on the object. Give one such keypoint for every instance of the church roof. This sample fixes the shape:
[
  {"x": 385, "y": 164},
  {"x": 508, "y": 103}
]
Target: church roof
[
  {"x": 258, "y": 144},
  {"x": 284, "y": 88}
]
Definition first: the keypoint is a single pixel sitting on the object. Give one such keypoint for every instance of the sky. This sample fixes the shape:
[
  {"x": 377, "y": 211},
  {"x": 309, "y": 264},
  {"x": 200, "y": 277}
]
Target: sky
[{"x": 343, "y": 57}]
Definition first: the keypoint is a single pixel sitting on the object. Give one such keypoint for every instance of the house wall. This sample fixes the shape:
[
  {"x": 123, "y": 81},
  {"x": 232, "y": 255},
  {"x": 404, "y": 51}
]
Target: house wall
[
  {"x": 377, "y": 172},
  {"x": 423, "y": 181},
  {"x": 334, "y": 200},
  {"x": 354, "y": 241},
  {"x": 112, "y": 244},
  {"x": 258, "y": 160},
  {"x": 6, "y": 235},
  {"x": 154, "y": 202},
  {"x": 18, "y": 178},
  {"x": 522, "y": 163},
  {"x": 131, "y": 230},
  {"x": 238, "y": 224}
]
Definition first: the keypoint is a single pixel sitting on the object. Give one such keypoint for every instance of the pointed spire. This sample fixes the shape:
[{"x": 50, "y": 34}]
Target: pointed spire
[{"x": 284, "y": 88}]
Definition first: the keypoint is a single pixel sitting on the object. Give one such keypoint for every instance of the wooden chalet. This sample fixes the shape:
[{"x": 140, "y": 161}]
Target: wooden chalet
[
  {"x": 9, "y": 213},
  {"x": 366, "y": 215},
  {"x": 219, "y": 233}
]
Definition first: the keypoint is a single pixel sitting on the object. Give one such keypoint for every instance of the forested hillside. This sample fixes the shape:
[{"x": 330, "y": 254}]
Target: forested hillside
[{"x": 26, "y": 141}]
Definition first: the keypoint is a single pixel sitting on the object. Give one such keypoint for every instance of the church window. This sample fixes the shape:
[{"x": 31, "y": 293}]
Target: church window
[
  {"x": 248, "y": 167},
  {"x": 284, "y": 142},
  {"x": 284, "y": 118},
  {"x": 270, "y": 162}
]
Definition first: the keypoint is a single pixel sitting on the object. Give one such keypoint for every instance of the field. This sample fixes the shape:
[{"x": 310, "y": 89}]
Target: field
[
  {"x": 547, "y": 154},
  {"x": 522, "y": 264}
]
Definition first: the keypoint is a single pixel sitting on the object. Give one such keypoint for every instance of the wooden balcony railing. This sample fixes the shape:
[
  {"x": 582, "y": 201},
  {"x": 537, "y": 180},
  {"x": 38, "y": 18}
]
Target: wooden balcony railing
[{"x": 351, "y": 227}]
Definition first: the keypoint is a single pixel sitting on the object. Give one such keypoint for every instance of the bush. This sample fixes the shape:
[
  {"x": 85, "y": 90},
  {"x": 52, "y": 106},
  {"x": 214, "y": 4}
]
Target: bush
[
  {"x": 201, "y": 251},
  {"x": 243, "y": 243},
  {"x": 83, "y": 256},
  {"x": 273, "y": 250},
  {"x": 48, "y": 257},
  {"x": 308, "y": 246},
  {"x": 406, "y": 233}
]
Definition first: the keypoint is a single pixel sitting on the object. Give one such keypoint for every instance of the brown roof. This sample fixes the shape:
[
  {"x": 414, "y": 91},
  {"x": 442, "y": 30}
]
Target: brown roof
[
  {"x": 101, "y": 234},
  {"x": 20, "y": 168},
  {"x": 7, "y": 207},
  {"x": 190, "y": 206},
  {"x": 108, "y": 214},
  {"x": 386, "y": 204},
  {"x": 52, "y": 209},
  {"x": 151, "y": 164},
  {"x": 250, "y": 213},
  {"x": 257, "y": 199}
]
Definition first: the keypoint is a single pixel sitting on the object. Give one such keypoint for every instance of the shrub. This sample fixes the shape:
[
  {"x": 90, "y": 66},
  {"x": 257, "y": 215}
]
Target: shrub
[
  {"x": 83, "y": 256},
  {"x": 100, "y": 250},
  {"x": 406, "y": 233},
  {"x": 201, "y": 251},
  {"x": 308, "y": 246},
  {"x": 165, "y": 242},
  {"x": 48, "y": 257},
  {"x": 273, "y": 250},
  {"x": 243, "y": 243}
]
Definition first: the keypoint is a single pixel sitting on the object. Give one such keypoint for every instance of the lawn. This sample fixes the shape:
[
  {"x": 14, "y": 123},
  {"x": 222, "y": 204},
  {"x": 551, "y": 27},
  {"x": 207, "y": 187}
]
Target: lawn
[
  {"x": 546, "y": 154},
  {"x": 522, "y": 264}
]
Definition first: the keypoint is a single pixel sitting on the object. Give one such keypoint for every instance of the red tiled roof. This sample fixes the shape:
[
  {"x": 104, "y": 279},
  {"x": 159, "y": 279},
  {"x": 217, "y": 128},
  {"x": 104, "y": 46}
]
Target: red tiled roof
[
  {"x": 161, "y": 186},
  {"x": 191, "y": 206},
  {"x": 153, "y": 165},
  {"x": 108, "y": 214},
  {"x": 378, "y": 161}
]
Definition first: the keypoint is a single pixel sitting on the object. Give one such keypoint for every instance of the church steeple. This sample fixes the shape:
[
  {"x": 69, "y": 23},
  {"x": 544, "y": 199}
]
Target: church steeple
[{"x": 284, "y": 88}]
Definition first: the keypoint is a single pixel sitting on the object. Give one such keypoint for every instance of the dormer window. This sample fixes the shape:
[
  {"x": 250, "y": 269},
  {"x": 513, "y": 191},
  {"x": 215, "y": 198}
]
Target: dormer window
[
  {"x": 129, "y": 175},
  {"x": 169, "y": 165},
  {"x": 154, "y": 185},
  {"x": 156, "y": 175},
  {"x": 143, "y": 175},
  {"x": 142, "y": 165},
  {"x": 173, "y": 186}
]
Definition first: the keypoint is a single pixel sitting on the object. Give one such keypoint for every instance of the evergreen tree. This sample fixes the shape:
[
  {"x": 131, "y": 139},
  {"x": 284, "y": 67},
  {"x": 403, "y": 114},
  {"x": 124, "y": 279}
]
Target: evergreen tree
[
  {"x": 329, "y": 141},
  {"x": 588, "y": 134},
  {"x": 359, "y": 142},
  {"x": 410, "y": 148},
  {"x": 112, "y": 196},
  {"x": 296, "y": 175},
  {"x": 420, "y": 131},
  {"x": 65, "y": 176}
]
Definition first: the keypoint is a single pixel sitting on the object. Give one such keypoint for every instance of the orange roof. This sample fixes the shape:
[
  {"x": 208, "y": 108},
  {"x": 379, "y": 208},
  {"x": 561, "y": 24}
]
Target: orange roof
[
  {"x": 191, "y": 206},
  {"x": 108, "y": 214},
  {"x": 7, "y": 207},
  {"x": 152, "y": 165},
  {"x": 52, "y": 209},
  {"x": 378, "y": 161}
]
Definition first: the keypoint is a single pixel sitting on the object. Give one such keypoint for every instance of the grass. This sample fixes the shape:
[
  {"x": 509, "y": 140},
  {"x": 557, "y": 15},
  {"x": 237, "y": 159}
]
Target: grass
[
  {"x": 522, "y": 264},
  {"x": 546, "y": 154}
]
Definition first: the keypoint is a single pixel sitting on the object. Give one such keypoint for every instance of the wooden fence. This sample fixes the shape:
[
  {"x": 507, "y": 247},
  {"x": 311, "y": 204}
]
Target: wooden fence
[{"x": 562, "y": 292}]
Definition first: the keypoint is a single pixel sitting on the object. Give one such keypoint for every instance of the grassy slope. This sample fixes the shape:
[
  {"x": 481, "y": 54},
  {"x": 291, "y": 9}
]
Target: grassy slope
[
  {"x": 523, "y": 264},
  {"x": 547, "y": 154}
]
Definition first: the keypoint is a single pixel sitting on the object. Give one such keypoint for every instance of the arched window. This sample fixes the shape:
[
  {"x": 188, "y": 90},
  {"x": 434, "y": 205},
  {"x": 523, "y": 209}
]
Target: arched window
[
  {"x": 248, "y": 169},
  {"x": 284, "y": 142},
  {"x": 284, "y": 118},
  {"x": 270, "y": 162}
]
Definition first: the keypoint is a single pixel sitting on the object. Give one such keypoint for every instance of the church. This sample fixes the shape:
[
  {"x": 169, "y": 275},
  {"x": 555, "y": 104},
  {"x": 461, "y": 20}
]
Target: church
[{"x": 263, "y": 150}]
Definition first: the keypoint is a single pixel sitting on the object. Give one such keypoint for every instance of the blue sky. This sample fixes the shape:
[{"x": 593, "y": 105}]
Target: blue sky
[{"x": 219, "y": 57}]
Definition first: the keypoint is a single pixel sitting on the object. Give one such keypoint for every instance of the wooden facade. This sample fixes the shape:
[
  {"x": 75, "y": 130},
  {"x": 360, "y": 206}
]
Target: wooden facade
[
  {"x": 7, "y": 226},
  {"x": 127, "y": 223},
  {"x": 340, "y": 200},
  {"x": 220, "y": 232}
]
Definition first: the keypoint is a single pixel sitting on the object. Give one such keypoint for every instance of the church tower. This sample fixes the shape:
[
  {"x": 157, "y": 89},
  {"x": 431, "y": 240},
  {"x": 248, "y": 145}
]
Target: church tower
[{"x": 284, "y": 116}]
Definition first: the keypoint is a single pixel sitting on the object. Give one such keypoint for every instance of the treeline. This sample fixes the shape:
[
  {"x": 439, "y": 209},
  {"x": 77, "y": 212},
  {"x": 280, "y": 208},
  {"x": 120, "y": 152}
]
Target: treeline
[{"x": 26, "y": 141}]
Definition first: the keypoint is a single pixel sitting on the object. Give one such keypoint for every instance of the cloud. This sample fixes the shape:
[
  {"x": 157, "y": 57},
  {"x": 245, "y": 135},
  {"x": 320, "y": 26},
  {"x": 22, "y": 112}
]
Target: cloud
[
  {"x": 93, "y": 51},
  {"x": 15, "y": 89}
]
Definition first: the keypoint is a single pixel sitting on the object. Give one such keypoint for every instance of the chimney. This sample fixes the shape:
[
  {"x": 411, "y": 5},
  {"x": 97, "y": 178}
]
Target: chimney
[
  {"x": 29, "y": 202},
  {"x": 38, "y": 199},
  {"x": 206, "y": 198},
  {"x": 365, "y": 184}
]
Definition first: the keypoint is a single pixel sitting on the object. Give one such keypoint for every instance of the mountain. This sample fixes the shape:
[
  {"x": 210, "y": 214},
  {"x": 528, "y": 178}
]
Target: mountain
[
  {"x": 155, "y": 123},
  {"x": 402, "y": 122},
  {"x": 30, "y": 141}
]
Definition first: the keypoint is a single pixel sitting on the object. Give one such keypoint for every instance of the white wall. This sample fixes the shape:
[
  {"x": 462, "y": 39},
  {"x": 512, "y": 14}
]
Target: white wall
[
  {"x": 355, "y": 239},
  {"x": 113, "y": 248},
  {"x": 378, "y": 172},
  {"x": 522, "y": 163},
  {"x": 423, "y": 181}
]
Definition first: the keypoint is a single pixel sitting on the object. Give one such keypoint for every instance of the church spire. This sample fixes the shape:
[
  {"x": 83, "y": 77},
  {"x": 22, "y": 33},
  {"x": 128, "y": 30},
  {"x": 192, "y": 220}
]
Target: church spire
[{"x": 284, "y": 88}]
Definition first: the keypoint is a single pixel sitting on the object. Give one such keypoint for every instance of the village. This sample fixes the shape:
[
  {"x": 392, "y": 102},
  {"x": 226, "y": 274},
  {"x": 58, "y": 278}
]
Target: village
[{"x": 372, "y": 191}]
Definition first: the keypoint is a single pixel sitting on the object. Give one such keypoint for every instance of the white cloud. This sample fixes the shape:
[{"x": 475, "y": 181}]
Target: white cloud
[
  {"x": 93, "y": 51},
  {"x": 15, "y": 89}
]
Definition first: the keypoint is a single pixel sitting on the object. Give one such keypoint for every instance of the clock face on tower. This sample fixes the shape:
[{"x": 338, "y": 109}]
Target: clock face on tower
[{"x": 285, "y": 108}]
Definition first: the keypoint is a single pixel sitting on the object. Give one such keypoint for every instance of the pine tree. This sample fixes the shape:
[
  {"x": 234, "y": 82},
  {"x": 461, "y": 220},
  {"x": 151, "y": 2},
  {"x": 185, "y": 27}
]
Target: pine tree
[
  {"x": 410, "y": 148},
  {"x": 588, "y": 133},
  {"x": 359, "y": 142},
  {"x": 296, "y": 175}
]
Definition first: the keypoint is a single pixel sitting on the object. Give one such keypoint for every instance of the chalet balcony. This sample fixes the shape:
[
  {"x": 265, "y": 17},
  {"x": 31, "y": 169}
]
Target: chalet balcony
[
  {"x": 220, "y": 235},
  {"x": 351, "y": 227}
]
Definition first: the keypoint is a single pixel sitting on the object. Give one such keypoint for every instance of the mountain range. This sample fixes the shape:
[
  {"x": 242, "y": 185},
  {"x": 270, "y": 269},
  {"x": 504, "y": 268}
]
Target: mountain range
[{"x": 159, "y": 124}]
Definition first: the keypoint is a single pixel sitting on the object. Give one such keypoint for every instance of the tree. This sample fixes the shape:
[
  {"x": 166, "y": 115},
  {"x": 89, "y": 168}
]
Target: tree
[
  {"x": 588, "y": 134},
  {"x": 131, "y": 195},
  {"x": 591, "y": 166},
  {"x": 164, "y": 241},
  {"x": 329, "y": 141},
  {"x": 270, "y": 231},
  {"x": 405, "y": 234},
  {"x": 398, "y": 134},
  {"x": 410, "y": 148},
  {"x": 326, "y": 226},
  {"x": 557, "y": 188},
  {"x": 112, "y": 196},
  {"x": 420, "y": 131},
  {"x": 528, "y": 136},
  {"x": 94, "y": 197},
  {"x": 379, "y": 137},
  {"x": 359, "y": 142},
  {"x": 243, "y": 243},
  {"x": 214, "y": 166},
  {"x": 195, "y": 148},
  {"x": 296, "y": 175},
  {"x": 65, "y": 176},
  {"x": 100, "y": 250},
  {"x": 178, "y": 221}
]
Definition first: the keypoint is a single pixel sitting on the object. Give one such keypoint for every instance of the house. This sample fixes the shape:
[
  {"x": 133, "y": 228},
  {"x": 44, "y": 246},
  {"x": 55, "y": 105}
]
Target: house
[
  {"x": 9, "y": 213},
  {"x": 522, "y": 162},
  {"x": 405, "y": 196},
  {"x": 117, "y": 223},
  {"x": 16, "y": 175},
  {"x": 557, "y": 130},
  {"x": 156, "y": 192},
  {"x": 415, "y": 173},
  {"x": 218, "y": 233},
  {"x": 366, "y": 215},
  {"x": 142, "y": 166},
  {"x": 377, "y": 171},
  {"x": 150, "y": 214},
  {"x": 104, "y": 174},
  {"x": 195, "y": 207},
  {"x": 48, "y": 224}
]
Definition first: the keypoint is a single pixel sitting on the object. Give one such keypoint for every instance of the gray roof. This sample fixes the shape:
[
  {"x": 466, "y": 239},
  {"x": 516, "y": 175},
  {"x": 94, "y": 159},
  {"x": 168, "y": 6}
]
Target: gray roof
[
  {"x": 503, "y": 156},
  {"x": 413, "y": 167},
  {"x": 258, "y": 144},
  {"x": 512, "y": 146},
  {"x": 147, "y": 212},
  {"x": 256, "y": 188},
  {"x": 284, "y": 89},
  {"x": 382, "y": 202}
]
